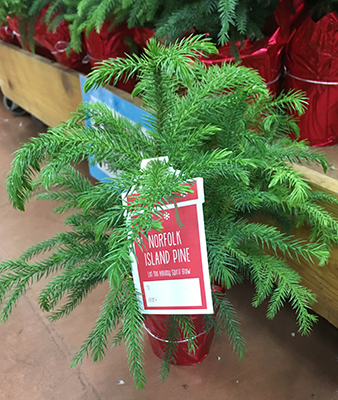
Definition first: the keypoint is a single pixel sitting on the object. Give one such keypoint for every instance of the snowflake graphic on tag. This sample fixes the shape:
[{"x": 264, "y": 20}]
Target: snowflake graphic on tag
[{"x": 166, "y": 216}]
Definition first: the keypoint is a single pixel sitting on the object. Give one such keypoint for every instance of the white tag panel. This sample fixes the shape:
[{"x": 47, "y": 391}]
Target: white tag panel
[{"x": 173, "y": 293}]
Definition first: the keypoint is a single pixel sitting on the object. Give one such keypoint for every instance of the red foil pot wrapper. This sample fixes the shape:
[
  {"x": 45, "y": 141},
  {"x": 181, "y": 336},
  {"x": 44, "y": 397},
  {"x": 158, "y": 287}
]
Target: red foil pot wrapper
[
  {"x": 141, "y": 36},
  {"x": 264, "y": 55},
  {"x": 7, "y": 34},
  {"x": 57, "y": 43},
  {"x": 312, "y": 66},
  {"x": 41, "y": 51},
  {"x": 288, "y": 15},
  {"x": 155, "y": 325},
  {"x": 112, "y": 43}
]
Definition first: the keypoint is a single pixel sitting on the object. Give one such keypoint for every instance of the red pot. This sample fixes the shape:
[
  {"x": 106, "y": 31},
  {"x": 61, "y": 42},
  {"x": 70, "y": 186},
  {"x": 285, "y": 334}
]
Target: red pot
[{"x": 155, "y": 325}]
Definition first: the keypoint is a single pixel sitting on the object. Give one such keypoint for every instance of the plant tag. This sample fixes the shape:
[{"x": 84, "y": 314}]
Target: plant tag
[{"x": 171, "y": 272}]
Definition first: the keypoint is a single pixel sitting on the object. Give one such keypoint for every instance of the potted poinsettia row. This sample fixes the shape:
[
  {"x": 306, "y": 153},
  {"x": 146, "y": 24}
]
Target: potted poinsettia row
[{"x": 218, "y": 123}]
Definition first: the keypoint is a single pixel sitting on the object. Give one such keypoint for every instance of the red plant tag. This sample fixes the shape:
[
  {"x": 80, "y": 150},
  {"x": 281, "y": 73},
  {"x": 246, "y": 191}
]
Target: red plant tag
[{"x": 171, "y": 272}]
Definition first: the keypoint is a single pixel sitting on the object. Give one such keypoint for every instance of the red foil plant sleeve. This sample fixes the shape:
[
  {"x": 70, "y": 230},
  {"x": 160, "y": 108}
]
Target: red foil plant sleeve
[
  {"x": 264, "y": 55},
  {"x": 112, "y": 43},
  {"x": 7, "y": 34},
  {"x": 312, "y": 66},
  {"x": 288, "y": 14},
  {"x": 155, "y": 325},
  {"x": 41, "y": 51},
  {"x": 57, "y": 43}
]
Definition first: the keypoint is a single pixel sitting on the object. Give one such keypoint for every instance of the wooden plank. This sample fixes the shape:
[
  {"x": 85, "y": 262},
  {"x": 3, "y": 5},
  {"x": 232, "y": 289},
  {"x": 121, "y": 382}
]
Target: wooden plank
[
  {"x": 45, "y": 89},
  {"x": 323, "y": 281},
  {"x": 320, "y": 181}
]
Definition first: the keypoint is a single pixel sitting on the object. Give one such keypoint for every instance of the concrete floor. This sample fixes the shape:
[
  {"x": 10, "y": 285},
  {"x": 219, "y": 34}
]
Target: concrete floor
[{"x": 35, "y": 354}]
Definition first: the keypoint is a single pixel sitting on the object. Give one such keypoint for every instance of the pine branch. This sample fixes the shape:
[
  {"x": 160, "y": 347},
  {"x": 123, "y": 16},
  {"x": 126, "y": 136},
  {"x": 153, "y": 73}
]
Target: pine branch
[
  {"x": 197, "y": 15},
  {"x": 187, "y": 327},
  {"x": 226, "y": 318},
  {"x": 273, "y": 239},
  {"x": 228, "y": 16},
  {"x": 316, "y": 196},
  {"x": 323, "y": 227},
  {"x": 81, "y": 222},
  {"x": 96, "y": 343},
  {"x": 268, "y": 272},
  {"x": 172, "y": 59},
  {"x": 282, "y": 175},
  {"x": 211, "y": 323},
  {"x": 60, "y": 147},
  {"x": 132, "y": 334},
  {"x": 223, "y": 268},
  {"x": 15, "y": 276},
  {"x": 170, "y": 350},
  {"x": 42, "y": 247},
  {"x": 76, "y": 295},
  {"x": 78, "y": 278},
  {"x": 296, "y": 152}
]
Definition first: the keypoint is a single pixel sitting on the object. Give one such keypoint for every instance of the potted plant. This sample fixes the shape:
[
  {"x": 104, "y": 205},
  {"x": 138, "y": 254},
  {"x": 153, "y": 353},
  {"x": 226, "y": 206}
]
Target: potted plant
[
  {"x": 219, "y": 123},
  {"x": 222, "y": 20},
  {"x": 310, "y": 66},
  {"x": 22, "y": 24},
  {"x": 42, "y": 31}
]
